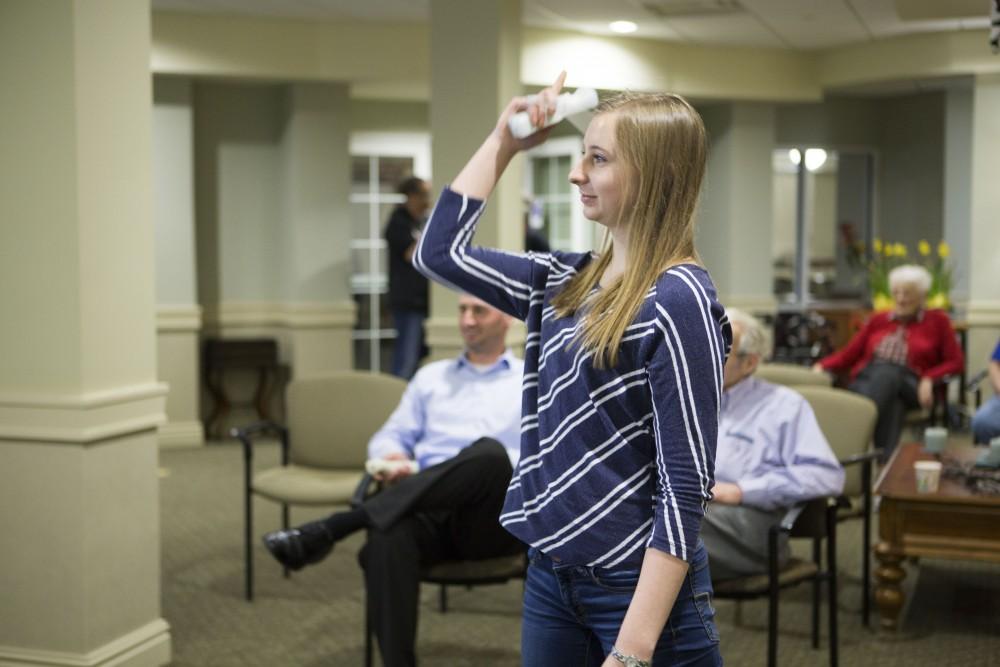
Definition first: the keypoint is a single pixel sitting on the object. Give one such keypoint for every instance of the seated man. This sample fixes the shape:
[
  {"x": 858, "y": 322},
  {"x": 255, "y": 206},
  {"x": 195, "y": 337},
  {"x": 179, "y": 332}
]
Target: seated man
[
  {"x": 460, "y": 420},
  {"x": 771, "y": 454},
  {"x": 986, "y": 422}
]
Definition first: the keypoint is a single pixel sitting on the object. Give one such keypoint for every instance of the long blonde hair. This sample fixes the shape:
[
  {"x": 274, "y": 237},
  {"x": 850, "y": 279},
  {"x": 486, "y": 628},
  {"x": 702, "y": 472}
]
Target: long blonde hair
[{"x": 661, "y": 141}]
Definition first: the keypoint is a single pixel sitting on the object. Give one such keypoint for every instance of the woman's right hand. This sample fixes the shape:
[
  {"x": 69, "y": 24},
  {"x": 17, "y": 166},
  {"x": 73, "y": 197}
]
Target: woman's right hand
[
  {"x": 817, "y": 367},
  {"x": 480, "y": 174},
  {"x": 539, "y": 107}
]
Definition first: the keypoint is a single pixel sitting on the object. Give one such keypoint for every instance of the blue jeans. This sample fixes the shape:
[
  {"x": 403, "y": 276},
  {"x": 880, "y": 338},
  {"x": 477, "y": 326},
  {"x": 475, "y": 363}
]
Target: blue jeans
[
  {"x": 406, "y": 351},
  {"x": 572, "y": 614},
  {"x": 986, "y": 422}
]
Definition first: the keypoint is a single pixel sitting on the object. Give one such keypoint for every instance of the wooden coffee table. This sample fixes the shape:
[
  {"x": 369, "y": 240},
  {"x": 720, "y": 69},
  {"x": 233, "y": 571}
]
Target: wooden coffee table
[{"x": 954, "y": 522}]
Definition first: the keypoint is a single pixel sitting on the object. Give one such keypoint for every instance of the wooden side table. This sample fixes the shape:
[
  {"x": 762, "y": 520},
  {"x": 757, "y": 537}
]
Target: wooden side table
[
  {"x": 225, "y": 355},
  {"x": 953, "y": 522}
]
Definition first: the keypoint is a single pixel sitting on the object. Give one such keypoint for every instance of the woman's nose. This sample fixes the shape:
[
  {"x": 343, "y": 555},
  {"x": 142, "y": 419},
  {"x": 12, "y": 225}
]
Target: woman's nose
[{"x": 576, "y": 175}]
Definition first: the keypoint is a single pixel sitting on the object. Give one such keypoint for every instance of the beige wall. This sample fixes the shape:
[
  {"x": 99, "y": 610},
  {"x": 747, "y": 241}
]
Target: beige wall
[{"x": 911, "y": 169}]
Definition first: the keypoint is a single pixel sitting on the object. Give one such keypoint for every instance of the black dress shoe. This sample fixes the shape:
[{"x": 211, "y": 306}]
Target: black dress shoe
[{"x": 297, "y": 547}]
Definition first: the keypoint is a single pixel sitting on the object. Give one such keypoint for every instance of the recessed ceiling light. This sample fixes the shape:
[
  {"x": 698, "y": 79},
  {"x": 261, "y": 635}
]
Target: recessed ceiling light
[{"x": 623, "y": 27}]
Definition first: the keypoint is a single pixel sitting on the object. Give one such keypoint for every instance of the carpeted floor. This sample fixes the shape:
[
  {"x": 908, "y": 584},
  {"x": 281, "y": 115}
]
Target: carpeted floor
[{"x": 315, "y": 618}]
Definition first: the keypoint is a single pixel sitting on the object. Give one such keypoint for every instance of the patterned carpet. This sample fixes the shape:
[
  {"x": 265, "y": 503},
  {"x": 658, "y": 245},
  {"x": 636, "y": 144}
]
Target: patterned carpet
[{"x": 315, "y": 618}]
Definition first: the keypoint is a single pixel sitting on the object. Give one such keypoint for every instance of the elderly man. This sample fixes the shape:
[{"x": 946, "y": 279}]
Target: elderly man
[
  {"x": 771, "y": 454},
  {"x": 460, "y": 420}
]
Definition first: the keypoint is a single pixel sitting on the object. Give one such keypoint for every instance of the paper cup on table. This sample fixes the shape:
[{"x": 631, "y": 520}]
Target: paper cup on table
[
  {"x": 935, "y": 439},
  {"x": 928, "y": 476},
  {"x": 992, "y": 455}
]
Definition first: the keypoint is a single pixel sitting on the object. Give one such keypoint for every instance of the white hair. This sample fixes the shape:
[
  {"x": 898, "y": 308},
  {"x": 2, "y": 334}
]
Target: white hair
[
  {"x": 754, "y": 338},
  {"x": 910, "y": 274}
]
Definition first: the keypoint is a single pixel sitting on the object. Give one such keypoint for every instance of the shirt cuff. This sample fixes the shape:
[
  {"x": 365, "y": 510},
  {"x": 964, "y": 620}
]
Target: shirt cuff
[
  {"x": 379, "y": 450},
  {"x": 755, "y": 493}
]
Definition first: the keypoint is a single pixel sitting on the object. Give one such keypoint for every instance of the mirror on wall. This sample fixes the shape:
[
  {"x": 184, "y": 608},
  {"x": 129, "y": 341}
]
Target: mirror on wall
[{"x": 822, "y": 231}]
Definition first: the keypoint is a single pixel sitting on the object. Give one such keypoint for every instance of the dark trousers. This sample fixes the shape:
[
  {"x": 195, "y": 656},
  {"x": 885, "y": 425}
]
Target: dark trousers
[
  {"x": 448, "y": 512},
  {"x": 736, "y": 537},
  {"x": 894, "y": 390},
  {"x": 408, "y": 348}
]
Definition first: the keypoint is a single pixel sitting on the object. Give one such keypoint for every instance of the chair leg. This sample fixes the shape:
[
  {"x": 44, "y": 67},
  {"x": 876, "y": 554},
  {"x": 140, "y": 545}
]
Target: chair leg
[
  {"x": 816, "y": 583},
  {"x": 772, "y": 627},
  {"x": 443, "y": 599},
  {"x": 866, "y": 554},
  {"x": 772, "y": 601},
  {"x": 248, "y": 540},
  {"x": 285, "y": 519},
  {"x": 368, "y": 633},
  {"x": 831, "y": 563}
]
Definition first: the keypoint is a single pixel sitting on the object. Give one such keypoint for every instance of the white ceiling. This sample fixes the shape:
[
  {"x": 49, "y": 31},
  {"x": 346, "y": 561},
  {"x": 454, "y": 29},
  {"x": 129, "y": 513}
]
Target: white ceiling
[{"x": 795, "y": 24}]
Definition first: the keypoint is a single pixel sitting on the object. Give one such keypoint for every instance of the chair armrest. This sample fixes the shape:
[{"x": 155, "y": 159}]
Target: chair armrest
[
  {"x": 806, "y": 519},
  {"x": 788, "y": 521},
  {"x": 973, "y": 383},
  {"x": 246, "y": 435},
  {"x": 859, "y": 458},
  {"x": 361, "y": 491},
  {"x": 944, "y": 380}
]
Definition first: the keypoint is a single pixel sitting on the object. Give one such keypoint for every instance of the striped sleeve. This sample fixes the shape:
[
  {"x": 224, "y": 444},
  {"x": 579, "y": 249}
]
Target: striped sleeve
[
  {"x": 445, "y": 254},
  {"x": 684, "y": 361}
]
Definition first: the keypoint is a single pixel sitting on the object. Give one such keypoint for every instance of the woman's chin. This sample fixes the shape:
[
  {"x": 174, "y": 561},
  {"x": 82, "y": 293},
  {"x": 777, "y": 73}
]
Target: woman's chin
[{"x": 594, "y": 216}]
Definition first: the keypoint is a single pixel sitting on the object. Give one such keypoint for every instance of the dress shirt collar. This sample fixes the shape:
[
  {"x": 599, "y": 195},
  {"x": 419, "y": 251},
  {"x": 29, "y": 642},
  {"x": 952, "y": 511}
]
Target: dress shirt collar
[
  {"x": 503, "y": 363},
  {"x": 738, "y": 391}
]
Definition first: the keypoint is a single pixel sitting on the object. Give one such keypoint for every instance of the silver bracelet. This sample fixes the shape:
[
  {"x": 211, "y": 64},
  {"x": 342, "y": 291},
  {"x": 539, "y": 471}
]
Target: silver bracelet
[{"x": 628, "y": 660}]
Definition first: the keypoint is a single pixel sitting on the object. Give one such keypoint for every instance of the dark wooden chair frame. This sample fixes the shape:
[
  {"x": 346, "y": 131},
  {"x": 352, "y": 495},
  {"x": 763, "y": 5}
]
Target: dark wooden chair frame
[
  {"x": 246, "y": 437},
  {"x": 815, "y": 519},
  {"x": 848, "y": 511}
]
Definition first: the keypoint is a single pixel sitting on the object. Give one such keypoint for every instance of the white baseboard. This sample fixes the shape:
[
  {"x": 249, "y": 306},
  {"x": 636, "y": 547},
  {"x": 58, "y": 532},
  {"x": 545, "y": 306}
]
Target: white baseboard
[
  {"x": 181, "y": 434},
  {"x": 143, "y": 647}
]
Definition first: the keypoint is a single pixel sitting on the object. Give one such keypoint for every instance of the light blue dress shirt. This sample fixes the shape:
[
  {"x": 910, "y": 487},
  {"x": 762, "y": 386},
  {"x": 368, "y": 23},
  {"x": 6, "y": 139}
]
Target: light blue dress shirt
[
  {"x": 771, "y": 446},
  {"x": 450, "y": 404}
]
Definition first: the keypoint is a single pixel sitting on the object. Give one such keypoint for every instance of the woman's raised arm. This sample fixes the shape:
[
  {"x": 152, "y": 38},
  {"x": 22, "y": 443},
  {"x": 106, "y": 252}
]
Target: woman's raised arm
[{"x": 480, "y": 175}]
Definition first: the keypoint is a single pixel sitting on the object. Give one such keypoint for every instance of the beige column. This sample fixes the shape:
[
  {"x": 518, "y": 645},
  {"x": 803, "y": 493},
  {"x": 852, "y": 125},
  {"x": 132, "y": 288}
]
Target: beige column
[
  {"x": 79, "y": 400},
  {"x": 735, "y": 218},
  {"x": 178, "y": 315},
  {"x": 958, "y": 186},
  {"x": 984, "y": 228},
  {"x": 475, "y": 70},
  {"x": 315, "y": 231}
]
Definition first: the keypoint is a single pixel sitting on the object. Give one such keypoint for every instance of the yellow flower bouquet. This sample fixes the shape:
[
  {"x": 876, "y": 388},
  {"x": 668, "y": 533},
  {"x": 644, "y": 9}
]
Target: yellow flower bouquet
[{"x": 887, "y": 256}]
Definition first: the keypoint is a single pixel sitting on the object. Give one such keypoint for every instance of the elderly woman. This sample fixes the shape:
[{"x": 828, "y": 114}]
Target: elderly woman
[{"x": 898, "y": 354}]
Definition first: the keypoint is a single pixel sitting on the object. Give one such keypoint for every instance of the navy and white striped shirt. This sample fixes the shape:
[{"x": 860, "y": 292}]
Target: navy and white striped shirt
[{"x": 612, "y": 460}]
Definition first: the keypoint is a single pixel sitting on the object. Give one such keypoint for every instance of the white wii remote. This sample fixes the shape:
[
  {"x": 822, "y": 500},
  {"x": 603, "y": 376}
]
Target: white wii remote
[
  {"x": 567, "y": 104},
  {"x": 376, "y": 466}
]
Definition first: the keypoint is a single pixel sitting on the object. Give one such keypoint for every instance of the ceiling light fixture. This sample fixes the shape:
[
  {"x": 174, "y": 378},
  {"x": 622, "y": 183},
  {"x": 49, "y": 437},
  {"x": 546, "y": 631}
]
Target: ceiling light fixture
[
  {"x": 815, "y": 158},
  {"x": 623, "y": 27}
]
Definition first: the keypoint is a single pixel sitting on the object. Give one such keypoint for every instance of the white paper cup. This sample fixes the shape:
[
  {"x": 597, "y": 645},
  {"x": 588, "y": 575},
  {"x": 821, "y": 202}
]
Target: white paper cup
[
  {"x": 935, "y": 439},
  {"x": 928, "y": 476}
]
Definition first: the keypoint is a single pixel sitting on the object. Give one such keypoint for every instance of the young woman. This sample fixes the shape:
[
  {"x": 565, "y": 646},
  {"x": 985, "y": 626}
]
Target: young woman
[{"x": 623, "y": 373}]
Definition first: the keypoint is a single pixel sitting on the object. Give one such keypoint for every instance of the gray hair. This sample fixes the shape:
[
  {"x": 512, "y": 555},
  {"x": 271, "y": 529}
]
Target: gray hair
[
  {"x": 910, "y": 274},
  {"x": 754, "y": 338}
]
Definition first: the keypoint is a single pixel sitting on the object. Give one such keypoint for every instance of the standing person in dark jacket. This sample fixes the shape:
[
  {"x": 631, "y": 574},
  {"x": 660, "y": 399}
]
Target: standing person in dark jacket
[{"x": 408, "y": 289}]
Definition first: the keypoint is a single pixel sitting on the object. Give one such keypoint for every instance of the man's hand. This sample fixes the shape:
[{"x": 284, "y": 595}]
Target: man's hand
[
  {"x": 391, "y": 478},
  {"x": 725, "y": 493},
  {"x": 925, "y": 392},
  {"x": 817, "y": 367}
]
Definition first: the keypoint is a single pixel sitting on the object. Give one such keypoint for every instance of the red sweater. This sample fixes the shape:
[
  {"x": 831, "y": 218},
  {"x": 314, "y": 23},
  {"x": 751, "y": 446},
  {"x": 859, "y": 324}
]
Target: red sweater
[{"x": 932, "y": 349}]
